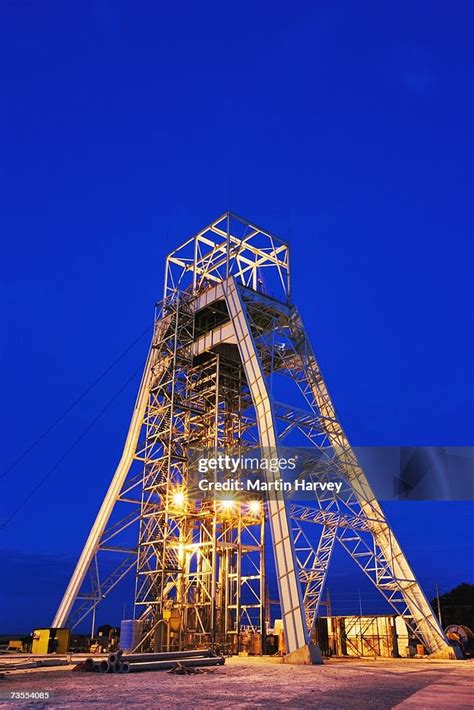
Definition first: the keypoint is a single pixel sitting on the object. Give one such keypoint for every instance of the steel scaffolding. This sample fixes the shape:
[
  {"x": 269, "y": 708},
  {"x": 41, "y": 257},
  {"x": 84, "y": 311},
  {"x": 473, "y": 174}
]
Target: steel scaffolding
[{"x": 226, "y": 336}]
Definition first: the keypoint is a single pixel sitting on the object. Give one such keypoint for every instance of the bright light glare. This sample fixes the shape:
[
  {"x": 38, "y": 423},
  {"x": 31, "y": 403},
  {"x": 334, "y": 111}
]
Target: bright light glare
[
  {"x": 179, "y": 499},
  {"x": 227, "y": 504},
  {"x": 254, "y": 506}
]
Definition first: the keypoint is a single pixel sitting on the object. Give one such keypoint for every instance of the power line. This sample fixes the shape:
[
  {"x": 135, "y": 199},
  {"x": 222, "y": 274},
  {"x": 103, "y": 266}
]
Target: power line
[
  {"x": 68, "y": 451},
  {"x": 74, "y": 404}
]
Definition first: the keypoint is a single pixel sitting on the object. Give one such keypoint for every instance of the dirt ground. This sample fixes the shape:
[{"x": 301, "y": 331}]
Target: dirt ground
[{"x": 259, "y": 683}]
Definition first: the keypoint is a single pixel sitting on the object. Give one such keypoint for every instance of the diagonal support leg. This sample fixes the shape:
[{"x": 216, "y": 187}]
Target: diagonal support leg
[
  {"x": 297, "y": 639},
  {"x": 314, "y": 387}
]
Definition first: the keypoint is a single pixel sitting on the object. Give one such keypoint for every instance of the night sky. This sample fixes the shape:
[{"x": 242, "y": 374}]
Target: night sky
[{"x": 125, "y": 128}]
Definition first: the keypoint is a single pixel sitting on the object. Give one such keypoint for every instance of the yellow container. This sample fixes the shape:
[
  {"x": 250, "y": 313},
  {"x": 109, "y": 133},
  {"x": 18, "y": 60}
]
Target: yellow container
[
  {"x": 50, "y": 641},
  {"x": 173, "y": 618}
]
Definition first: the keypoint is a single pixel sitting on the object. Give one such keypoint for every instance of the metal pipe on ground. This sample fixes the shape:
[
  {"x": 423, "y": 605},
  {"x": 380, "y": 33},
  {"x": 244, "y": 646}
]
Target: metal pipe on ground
[
  {"x": 103, "y": 667},
  {"x": 167, "y": 665},
  {"x": 33, "y": 664},
  {"x": 166, "y": 655}
]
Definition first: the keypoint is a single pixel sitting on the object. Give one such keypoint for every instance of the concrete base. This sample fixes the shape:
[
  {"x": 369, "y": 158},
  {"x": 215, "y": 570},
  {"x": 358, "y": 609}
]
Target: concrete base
[
  {"x": 449, "y": 653},
  {"x": 307, "y": 655}
]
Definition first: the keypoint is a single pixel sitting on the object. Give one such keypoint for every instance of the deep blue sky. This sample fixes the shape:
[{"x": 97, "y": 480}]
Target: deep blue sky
[{"x": 122, "y": 127}]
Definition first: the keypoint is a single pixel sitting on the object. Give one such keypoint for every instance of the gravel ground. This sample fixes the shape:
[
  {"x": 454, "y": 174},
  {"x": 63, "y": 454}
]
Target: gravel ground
[{"x": 258, "y": 683}]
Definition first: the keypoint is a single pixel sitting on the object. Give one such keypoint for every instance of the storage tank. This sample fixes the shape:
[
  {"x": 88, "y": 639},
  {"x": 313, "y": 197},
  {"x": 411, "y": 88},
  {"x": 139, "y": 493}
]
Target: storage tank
[{"x": 131, "y": 632}]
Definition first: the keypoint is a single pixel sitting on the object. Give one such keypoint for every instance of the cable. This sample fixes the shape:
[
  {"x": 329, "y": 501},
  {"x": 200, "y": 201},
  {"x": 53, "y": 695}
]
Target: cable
[
  {"x": 76, "y": 402},
  {"x": 68, "y": 451}
]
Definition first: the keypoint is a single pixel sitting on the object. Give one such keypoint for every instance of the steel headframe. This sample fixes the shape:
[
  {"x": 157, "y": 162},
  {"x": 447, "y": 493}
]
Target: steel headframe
[{"x": 224, "y": 333}]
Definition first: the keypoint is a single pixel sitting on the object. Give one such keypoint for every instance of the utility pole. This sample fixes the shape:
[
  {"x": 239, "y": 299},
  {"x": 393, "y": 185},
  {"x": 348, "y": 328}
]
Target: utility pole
[
  {"x": 93, "y": 622},
  {"x": 439, "y": 606}
]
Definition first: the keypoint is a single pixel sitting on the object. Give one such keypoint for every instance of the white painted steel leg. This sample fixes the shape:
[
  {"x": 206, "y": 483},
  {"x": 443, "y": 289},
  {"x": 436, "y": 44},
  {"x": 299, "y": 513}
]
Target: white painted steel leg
[
  {"x": 415, "y": 599},
  {"x": 92, "y": 543},
  {"x": 286, "y": 566}
]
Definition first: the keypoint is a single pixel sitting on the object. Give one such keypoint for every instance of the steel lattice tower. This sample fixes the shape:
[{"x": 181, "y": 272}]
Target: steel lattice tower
[{"x": 224, "y": 333}]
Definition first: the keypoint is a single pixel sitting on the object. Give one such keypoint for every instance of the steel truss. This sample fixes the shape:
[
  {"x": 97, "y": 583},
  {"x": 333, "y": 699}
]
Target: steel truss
[{"x": 225, "y": 335}]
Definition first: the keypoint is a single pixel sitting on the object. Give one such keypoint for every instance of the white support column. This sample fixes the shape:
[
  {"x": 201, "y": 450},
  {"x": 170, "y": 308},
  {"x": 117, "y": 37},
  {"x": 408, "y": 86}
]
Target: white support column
[
  {"x": 296, "y": 635},
  {"x": 92, "y": 544}
]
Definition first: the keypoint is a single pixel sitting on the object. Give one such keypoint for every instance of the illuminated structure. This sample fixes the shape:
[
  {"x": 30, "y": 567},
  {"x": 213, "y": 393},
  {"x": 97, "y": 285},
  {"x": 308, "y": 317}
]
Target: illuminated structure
[{"x": 225, "y": 336}]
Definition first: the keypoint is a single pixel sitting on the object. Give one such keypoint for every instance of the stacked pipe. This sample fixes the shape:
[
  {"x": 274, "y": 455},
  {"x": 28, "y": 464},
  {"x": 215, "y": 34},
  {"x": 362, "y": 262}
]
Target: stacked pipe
[{"x": 132, "y": 663}]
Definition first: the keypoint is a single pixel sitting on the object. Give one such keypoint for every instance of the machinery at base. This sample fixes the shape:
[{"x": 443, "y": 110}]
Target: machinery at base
[
  {"x": 50, "y": 641},
  {"x": 463, "y": 637}
]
